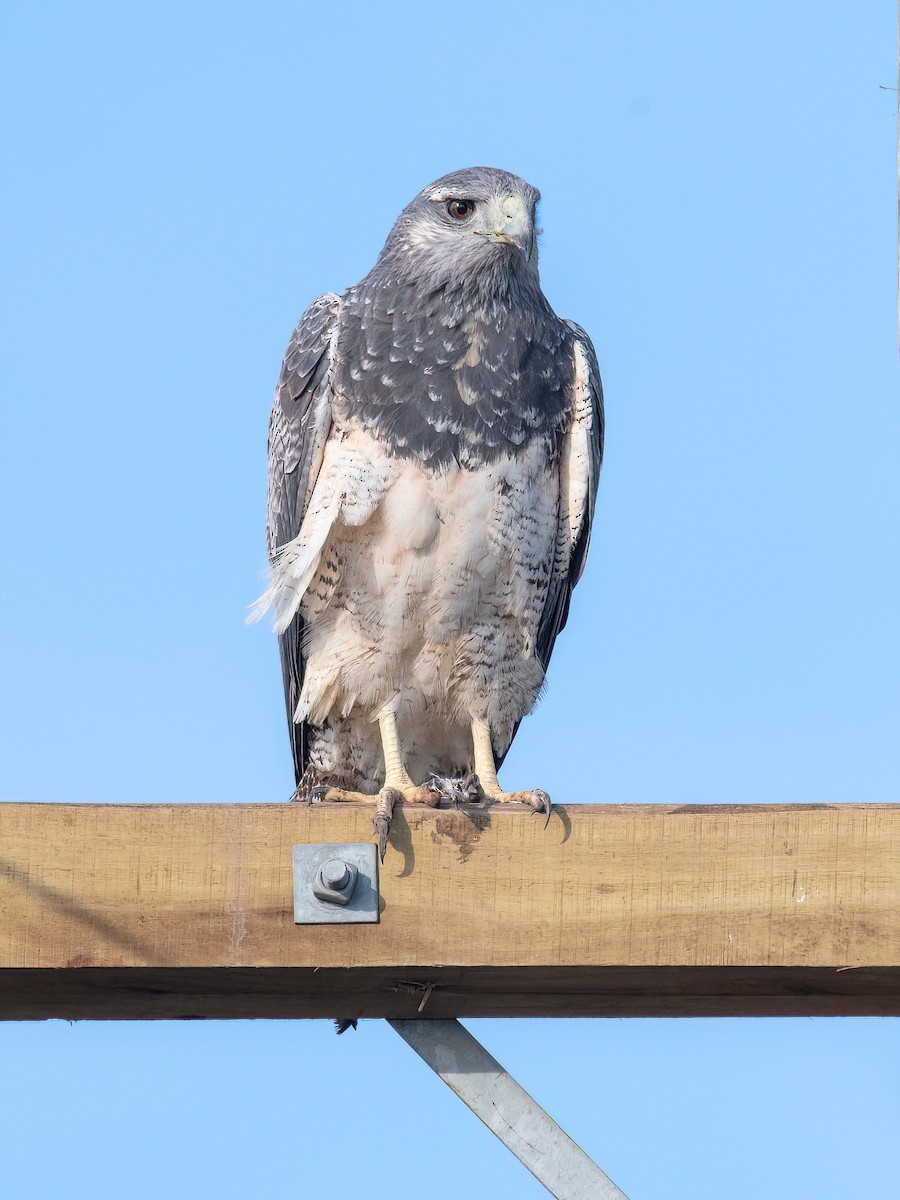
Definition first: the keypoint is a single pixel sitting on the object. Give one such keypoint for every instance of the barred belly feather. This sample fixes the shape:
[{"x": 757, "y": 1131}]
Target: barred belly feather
[{"x": 429, "y": 605}]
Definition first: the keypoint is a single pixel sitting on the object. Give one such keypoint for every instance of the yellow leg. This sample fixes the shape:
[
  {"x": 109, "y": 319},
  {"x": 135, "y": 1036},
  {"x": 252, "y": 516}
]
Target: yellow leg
[
  {"x": 486, "y": 770},
  {"x": 485, "y": 767},
  {"x": 395, "y": 774},
  {"x": 396, "y": 777},
  {"x": 397, "y": 788}
]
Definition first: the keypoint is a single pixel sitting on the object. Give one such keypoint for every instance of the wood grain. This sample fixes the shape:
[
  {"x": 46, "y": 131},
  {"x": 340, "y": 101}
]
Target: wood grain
[{"x": 165, "y": 910}]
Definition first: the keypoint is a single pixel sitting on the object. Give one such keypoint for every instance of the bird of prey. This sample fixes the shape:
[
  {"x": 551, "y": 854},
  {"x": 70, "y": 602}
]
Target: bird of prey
[{"x": 434, "y": 450}]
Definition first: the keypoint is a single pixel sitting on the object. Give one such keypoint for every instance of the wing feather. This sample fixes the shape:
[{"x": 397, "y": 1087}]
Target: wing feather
[
  {"x": 298, "y": 430},
  {"x": 582, "y": 455},
  {"x": 580, "y": 460}
]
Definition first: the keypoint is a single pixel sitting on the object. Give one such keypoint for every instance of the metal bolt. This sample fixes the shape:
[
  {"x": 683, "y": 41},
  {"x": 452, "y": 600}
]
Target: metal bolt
[
  {"x": 335, "y": 881},
  {"x": 336, "y": 874}
]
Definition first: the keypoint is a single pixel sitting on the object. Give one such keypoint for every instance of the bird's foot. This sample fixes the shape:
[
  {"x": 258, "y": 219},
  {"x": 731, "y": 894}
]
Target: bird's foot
[
  {"x": 384, "y": 809},
  {"x": 408, "y": 795},
  {"x": 384, "y": 802},
  {"x": 384, "y": 812},
  {"x": 338, "y": 795},
  {"x": 537, "y": 800},
  {"x": 462, "y": 790}
]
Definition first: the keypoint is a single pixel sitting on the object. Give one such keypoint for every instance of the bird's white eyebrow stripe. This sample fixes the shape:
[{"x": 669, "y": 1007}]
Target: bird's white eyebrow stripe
[{"x": 443, "y": 194}]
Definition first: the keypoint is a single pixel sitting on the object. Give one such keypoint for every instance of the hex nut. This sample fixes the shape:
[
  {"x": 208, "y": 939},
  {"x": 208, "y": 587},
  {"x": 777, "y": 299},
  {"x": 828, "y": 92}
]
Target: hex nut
[{"x": 335, "y": 881}]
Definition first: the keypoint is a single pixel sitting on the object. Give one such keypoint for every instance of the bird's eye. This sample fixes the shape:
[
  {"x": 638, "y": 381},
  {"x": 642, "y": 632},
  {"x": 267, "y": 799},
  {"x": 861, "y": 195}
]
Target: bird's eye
[{"x": 460, "y": 209}]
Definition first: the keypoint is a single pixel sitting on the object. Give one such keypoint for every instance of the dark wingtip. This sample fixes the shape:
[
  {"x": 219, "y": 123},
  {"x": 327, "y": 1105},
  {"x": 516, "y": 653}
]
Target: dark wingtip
[{"x": 342, "y": 1024}]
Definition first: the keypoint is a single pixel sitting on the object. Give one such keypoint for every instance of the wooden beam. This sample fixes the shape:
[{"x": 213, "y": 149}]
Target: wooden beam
[{"x": 186, "y": 911}]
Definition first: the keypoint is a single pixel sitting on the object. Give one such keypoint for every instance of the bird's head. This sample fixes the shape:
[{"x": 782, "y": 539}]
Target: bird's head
[{"x": 476, "y": 222}]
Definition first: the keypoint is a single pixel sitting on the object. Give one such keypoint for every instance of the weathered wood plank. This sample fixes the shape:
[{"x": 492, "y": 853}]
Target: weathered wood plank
[
  {"x": 143, "y": 911},
  {"x": 166, "y": 993}
]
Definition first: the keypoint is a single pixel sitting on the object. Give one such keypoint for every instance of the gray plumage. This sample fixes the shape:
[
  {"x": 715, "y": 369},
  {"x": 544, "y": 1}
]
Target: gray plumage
[{"x": 434, "y": 449}]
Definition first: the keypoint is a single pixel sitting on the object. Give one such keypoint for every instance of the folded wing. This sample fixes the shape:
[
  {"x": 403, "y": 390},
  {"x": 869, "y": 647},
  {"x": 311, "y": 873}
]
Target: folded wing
[
  {"x": 298, "y": 431},
  {"x": 582, "y": 454}
]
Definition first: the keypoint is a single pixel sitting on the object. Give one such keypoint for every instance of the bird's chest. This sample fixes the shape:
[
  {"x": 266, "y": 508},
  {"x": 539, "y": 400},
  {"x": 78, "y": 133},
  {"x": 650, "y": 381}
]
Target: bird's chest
[
  {"x": 468, "y": 393},
  {"x": 447, "y": 548}
]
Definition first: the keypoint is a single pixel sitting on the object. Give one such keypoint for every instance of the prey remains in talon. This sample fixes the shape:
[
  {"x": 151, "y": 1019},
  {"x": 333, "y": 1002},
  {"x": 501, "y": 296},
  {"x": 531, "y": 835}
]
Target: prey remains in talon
[{"x": 465, "y": 789}]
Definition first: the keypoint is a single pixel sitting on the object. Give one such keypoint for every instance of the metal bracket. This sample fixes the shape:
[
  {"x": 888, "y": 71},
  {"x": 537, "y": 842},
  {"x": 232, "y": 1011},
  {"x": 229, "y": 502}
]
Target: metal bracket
[
  {"x": 336, "y": 885},
  {"x": 507, "y": 1110}
]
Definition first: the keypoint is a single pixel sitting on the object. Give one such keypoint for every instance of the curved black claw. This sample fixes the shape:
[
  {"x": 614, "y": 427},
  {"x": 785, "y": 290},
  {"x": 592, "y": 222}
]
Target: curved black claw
[
  {"x": 384, "y": 810},
  {"x": 541, "y": 803},
  {"x": 382, "y": 831}
]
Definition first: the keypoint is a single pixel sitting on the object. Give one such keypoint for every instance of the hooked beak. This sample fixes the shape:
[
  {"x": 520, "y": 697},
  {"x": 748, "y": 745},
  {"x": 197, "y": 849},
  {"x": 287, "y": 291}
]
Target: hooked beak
[
  {"x": 503, "y": 239},
  {"x": 512, "y": 224}
]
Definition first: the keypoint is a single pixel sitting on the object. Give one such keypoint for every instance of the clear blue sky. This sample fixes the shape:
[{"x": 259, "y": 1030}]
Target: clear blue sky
[{"x": 719, "y": 190}]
